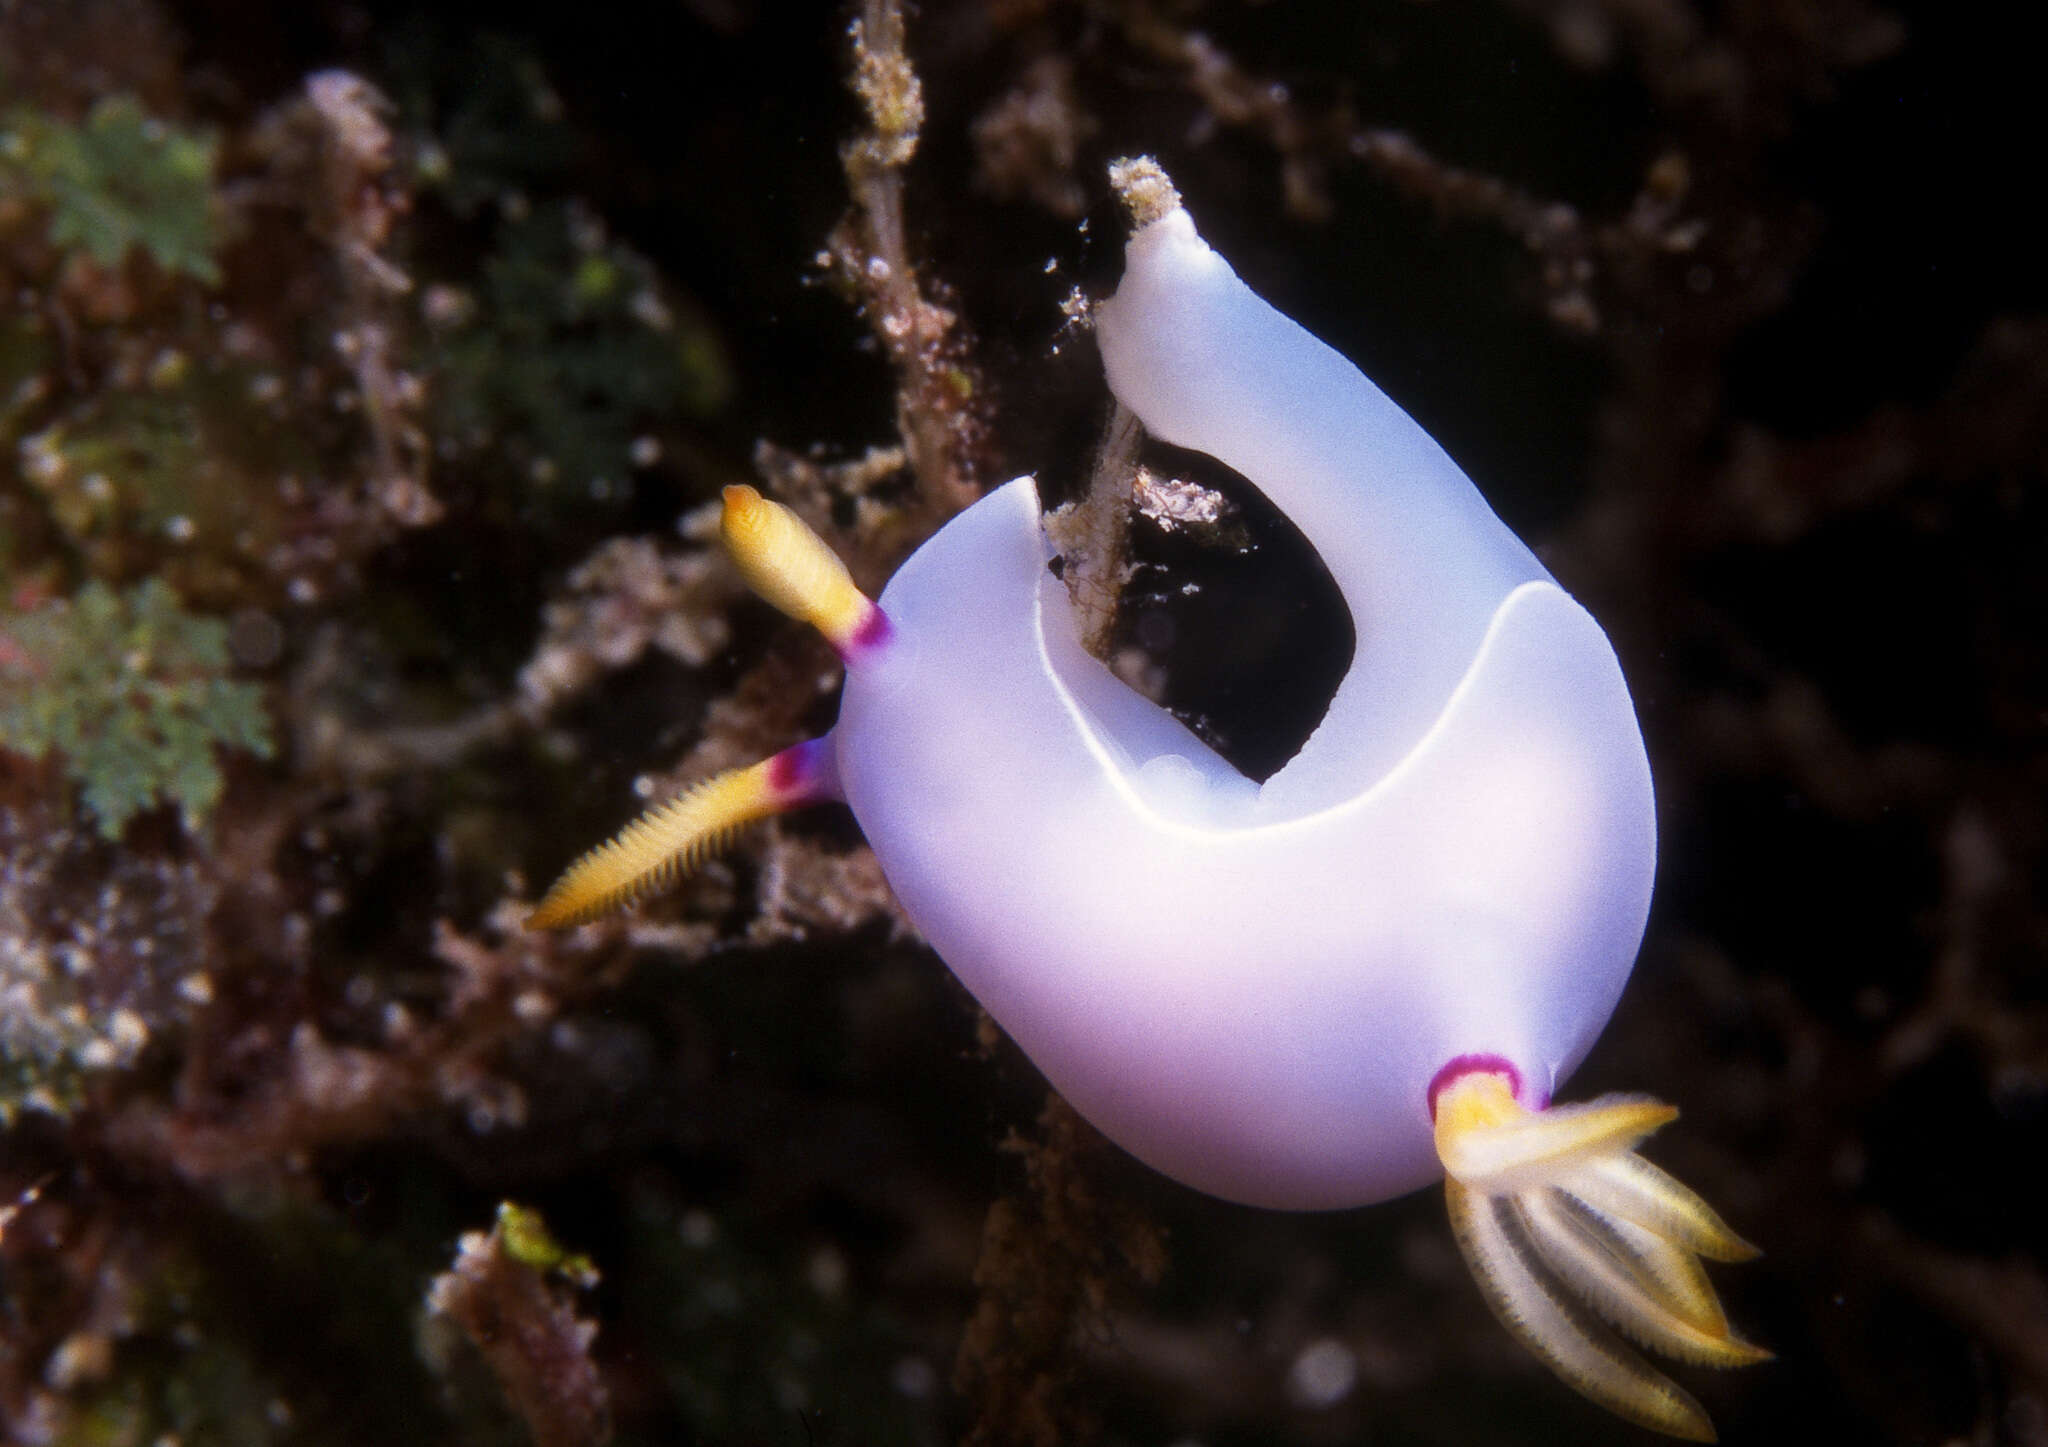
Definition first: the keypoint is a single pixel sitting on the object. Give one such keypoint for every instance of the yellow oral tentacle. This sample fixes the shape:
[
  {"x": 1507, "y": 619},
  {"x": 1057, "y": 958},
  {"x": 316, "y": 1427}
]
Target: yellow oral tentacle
[
  {"x": 791, "y": 567},
  {"x": 672, "y": 839},
  {"x": 1585, "y": 1357},
  {"x": 1555, "y": 1204},
  {"x": 1587, "y": 1261}
]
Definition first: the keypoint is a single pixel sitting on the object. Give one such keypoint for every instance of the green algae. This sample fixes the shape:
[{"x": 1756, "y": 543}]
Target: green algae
[
  {"x": 121, "y": 181},
  {"x": 132, "y": 691}
]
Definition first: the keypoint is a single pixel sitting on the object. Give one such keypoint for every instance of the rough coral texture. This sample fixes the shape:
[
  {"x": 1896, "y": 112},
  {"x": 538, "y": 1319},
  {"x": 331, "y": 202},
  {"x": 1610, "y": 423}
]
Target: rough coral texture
[
  {"x": 411, "y": 354},
  {"x": 103, "y": 952},
  {"x": 510, "y": 1293}
]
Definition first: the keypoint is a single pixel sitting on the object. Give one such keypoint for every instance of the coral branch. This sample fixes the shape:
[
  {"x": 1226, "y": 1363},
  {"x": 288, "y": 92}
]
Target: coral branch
[
  {"x": 1569, "y": 248},
  {"x": 938, "y": 390},
  {"x": 1052, "y": 1261},
  {"x": 511, "y": 1292},
  {"x": 1093, "y": 534}
]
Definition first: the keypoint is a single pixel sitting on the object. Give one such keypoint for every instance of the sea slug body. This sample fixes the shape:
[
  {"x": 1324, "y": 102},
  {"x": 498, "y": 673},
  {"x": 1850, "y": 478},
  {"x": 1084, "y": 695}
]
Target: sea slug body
[
  {"x": 1252, "y": 987},
  {"x": 1373, "y": 969}
]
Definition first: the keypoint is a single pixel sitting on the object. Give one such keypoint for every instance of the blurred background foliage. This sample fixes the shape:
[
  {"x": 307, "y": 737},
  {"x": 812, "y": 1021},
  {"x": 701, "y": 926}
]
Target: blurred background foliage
[
  {"x": 129, "y": 691},
  {"x": 366, "y": 368}
]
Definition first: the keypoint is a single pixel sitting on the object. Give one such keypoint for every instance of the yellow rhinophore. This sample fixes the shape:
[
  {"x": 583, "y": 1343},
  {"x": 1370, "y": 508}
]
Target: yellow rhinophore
[
  {"x": 790, "y": 566},
  {"x": 667, "y": 841},
  {"x": 793, "y": 568},
  {"x": 1562, "y": 1223}
]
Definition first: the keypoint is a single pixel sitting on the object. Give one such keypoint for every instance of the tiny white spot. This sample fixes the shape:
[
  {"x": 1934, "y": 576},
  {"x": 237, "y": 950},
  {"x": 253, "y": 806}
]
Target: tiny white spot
[
  {"x": 826, "y": 1272},
  {"x": 914, "y": 1377},
  {"x": 1323, "y": 1375}
]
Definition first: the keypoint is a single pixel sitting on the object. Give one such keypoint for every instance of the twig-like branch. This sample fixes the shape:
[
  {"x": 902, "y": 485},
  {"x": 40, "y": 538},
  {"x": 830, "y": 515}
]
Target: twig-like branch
[
  {"x": 937, "y": 389},
  {"x": 1093, "y": 535},
  {"x": 364, "y": 204},
  {"x": 1238, "y": 99},
  {"x": 1568, "y": 247},
  {"x": 1053, "y": 1260}
]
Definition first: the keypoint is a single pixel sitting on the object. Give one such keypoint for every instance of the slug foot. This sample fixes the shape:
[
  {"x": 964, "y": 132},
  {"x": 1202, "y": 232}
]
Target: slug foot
[{"x": 1566, "y": 1228}]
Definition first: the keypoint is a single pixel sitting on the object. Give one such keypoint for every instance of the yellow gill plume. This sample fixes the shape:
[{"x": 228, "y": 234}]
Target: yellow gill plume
[{"x": 1566, "y": 1228}]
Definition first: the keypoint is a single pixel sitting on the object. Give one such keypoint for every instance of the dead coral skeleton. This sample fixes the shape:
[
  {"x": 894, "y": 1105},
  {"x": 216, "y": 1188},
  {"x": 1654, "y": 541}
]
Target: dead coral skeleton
[
  {"x": 1572, "y": 252},
  {"x": 1092, "y": 533},
  {"x": 627, "y": 597},
  {"x": 314, "y": 1092},
  {"x": 1056, "y": 1258},
  {"x": 331, "y": 151},
  {"x": 511, "y": 1292},
  {"x": 1028, "y": 144},
  {"x": 103, "y": 952},
  {"x": 940, "y": 395}
]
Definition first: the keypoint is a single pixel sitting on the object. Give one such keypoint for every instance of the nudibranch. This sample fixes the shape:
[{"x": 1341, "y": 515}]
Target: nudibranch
[{"x": 1320, "y": 991}]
